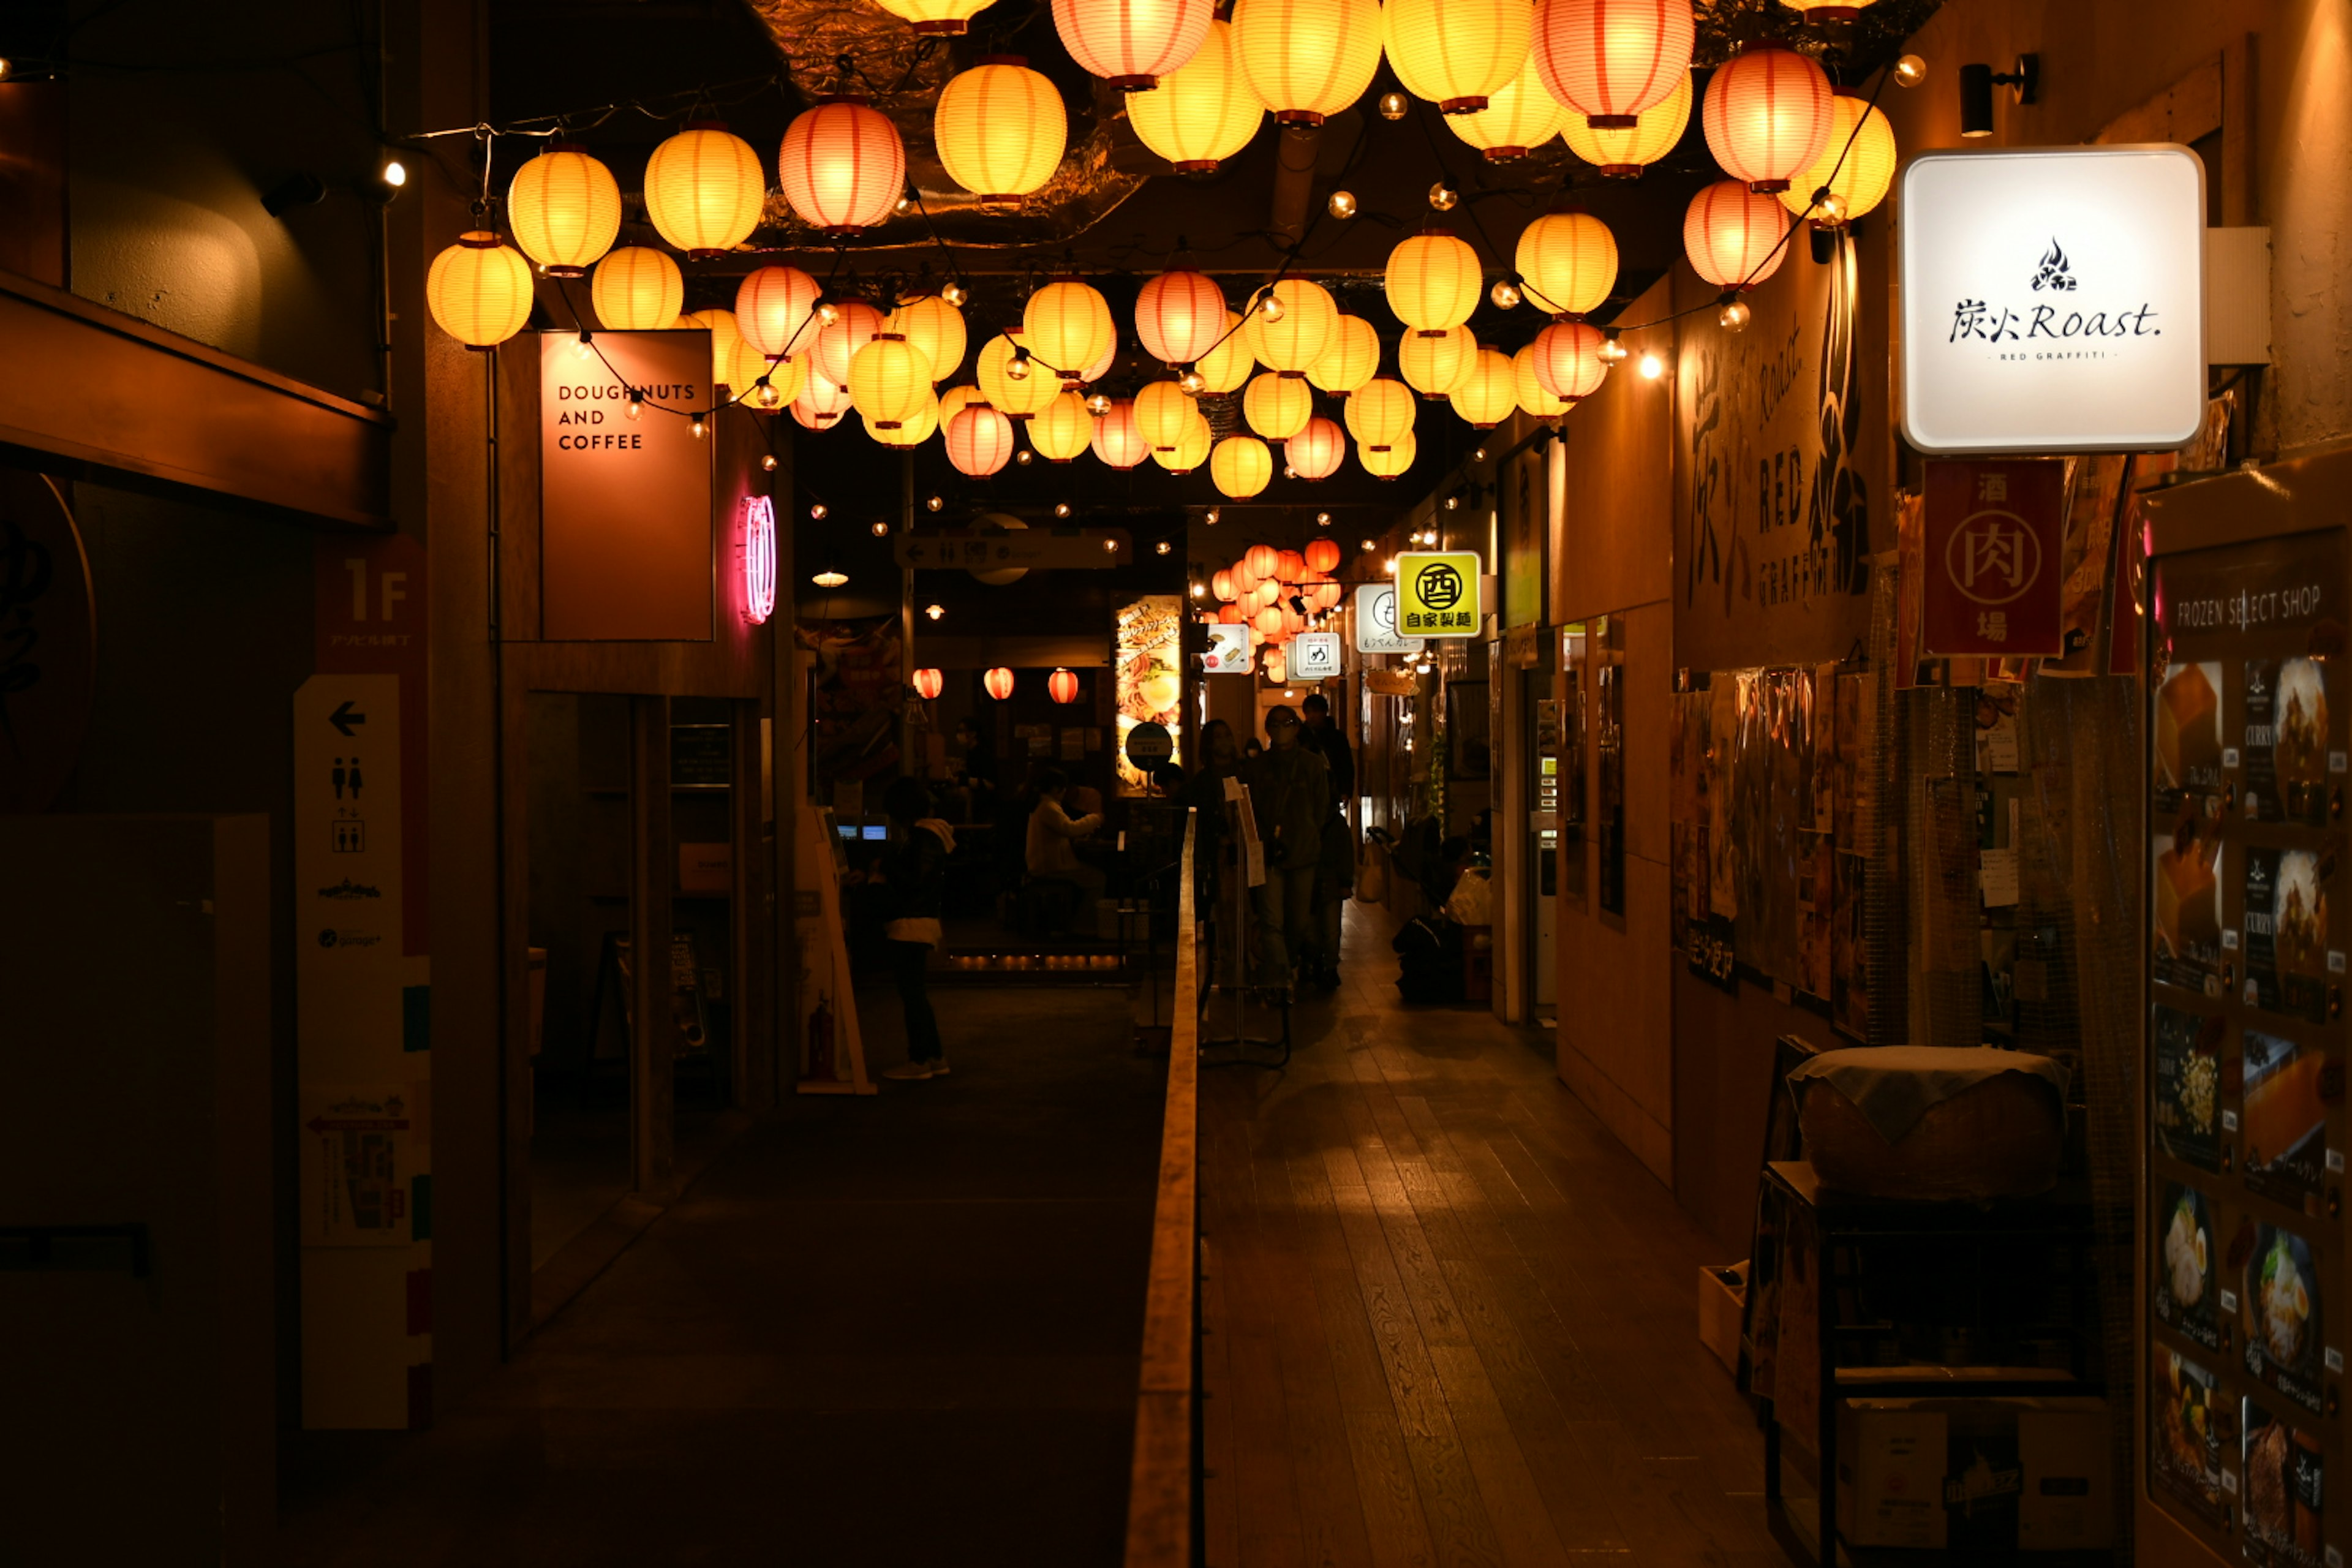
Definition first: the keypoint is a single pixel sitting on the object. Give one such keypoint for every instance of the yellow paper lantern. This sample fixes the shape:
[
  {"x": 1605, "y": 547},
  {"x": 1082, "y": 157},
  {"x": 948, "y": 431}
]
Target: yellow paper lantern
[
  {"x": 1298, "y": 335},
  {"x": 936, "y": 328},
  {"x": 1000, "y": 129},
  {"x": 1566, "y": 262},
  {"x": 1768, "y": 115},
  {"x": 1063, "y": 428},
  {"x": 978, "y": 439},
  {"x": 1520, "y": 117},
  {"x": 775, "y": 309},
  {"x": 1201, "y": 113},
  {"x": 1162, "y": 413},
  {"x": 1534, "y": 398},
  {"x": 705, "y": 190},
  {"x": 1308, "y": 60},
  {"x": 955, "y": 400},
  {"x": 1241, "y": 466},
  {"x": 564, "y": 209},
  {"x": 822, "y": 401},
  {"x": 1227, "y": 366},
  {"x": 1315, "y": 453},
  {"x": 854, "y": 324},
  {"x": 1116, "y": 439},
  {"x": 1277, "y": 406},
  {"x": 1067, "y": 326},
  {"x": 1132, "y": 44},
  {"x": 1351, "y": 359},
  {"x": 890, "y": 381},
  {"x": 1390, "y": 462},
  {"x": 1192, "y": 448},
  {"x": 1611, "y": 59},
  {"x": 842, "y": 165},
  {"x": 1434, "y": 279},
  {"x": 480, "y": 290},
  {"x": 921, "y": 423},
  {"x": 1180, "y": 315},
  {"x": 1864, "y": 160},
  {"x": 1485, "y": 397},
  {"x": 1622, "y": 152},
  {"x": 1381, "y": 414},
  {"x": 1568, "y": 361},
  {"x": 749, "y": 368},
  {"x": 937, "y": 18},
  {"x": 1020, "y": 396},
  {"x": 1435, "y": 364},
  {"x": 1733, "y": 234},
  {"x": 1457, "y": 54},
  {"x": 637, "y": 290},
  {"x": 726, "y": 338}
]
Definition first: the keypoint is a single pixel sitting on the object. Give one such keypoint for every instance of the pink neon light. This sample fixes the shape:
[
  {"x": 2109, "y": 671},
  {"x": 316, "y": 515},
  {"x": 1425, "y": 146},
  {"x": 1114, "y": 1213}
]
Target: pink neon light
[{"x": 759, "y": 559}]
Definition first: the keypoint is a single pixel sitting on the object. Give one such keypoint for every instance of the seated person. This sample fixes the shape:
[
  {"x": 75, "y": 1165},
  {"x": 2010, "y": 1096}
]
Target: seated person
[{"x": 1052, "y": 852}]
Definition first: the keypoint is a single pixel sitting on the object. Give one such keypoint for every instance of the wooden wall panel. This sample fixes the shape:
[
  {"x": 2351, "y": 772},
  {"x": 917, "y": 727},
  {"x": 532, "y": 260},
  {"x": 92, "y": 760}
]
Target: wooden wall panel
[{"x": 1616, "y": 545}]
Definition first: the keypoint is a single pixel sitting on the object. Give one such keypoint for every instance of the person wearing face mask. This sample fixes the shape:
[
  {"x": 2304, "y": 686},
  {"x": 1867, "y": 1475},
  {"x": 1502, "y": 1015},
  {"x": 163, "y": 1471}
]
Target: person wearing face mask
[{"x": 1290, "y": 788}]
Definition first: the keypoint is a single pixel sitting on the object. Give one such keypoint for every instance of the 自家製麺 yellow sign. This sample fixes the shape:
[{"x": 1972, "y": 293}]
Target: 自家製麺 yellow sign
[{"x": 1437, "y": 594}]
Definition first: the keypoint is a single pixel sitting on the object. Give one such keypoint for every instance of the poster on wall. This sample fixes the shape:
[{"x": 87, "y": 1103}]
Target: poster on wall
[
  {"x": 2287, "y": 739},
  {"x": 2280, "y": 1320},
  {"x": 2186, "y": 914},
  {"x": 1148, "y": 652},
  {"x": 2188, "y": 727},
  {"x": 2187, "y": 1101},
  {"x": 2285, "y": 933},
  {"x": 2183, "y": 1257},
  {"x": 2284, "y": 1126},
  {"x": 2187, "y": 1411},
  {"x": 2285, "y": 1494}
]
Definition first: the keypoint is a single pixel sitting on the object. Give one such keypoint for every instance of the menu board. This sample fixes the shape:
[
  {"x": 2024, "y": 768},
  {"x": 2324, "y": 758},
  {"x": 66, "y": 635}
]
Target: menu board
[{"x": 2246, "y": 939}]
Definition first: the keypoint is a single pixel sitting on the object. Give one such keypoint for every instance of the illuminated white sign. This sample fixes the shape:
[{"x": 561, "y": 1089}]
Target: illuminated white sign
[
  {"x": 2053, "y": 300},
  {"x": 1376, "y": 621},
  {"x": 1314, "y": 656},
  {"x": 1229, "y": 650}
]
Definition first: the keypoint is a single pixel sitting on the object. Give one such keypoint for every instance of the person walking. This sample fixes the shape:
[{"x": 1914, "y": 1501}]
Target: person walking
[
  {"x": 1329, "y": 740},
  {"x": 1290, "y": 788},
  {"x": 914, "y": 872},
  {"x": 1205, "y": 794}
]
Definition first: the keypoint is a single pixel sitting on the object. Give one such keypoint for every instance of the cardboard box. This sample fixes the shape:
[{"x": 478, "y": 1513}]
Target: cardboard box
[
  {"x": 1981, "y": 1475},
  {"x": 1722, "y": 1302}
]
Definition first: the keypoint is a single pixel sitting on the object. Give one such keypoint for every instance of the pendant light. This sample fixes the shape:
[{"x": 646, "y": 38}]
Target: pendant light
[
  {"x": 1733, "y": 234},
  {"x": 1269, "y": 621},
  {"x": 1864, "y": 160},
  {"x": 1381, "y": 414},
  {"x": 1767, "y": 116},
  {"x": 929, "y": 684},
  {"x": 822, "y": 402},
  {"x": 705, "y": 190},
  {"x": 1063, "y": 686},
  {"x": 1622, "y": 152},
  {"x": 933, "y": 326},
  {"x": 1435, "y": 364},
  {"x": 1434, "y": 281},
  {"x": 480, "y": 290},
  {"x": 1063, "y": 428},
  {"x": 1226, "y": 368},
  {"x": 890, "y": 381},
  {"x": 1568, "y": 360},
  {"x": 842, "y": 166},
  {"x": 998, "y": 683},
  {"x": 636, "y": 289},
  {"x": 979, "y": 440},
  {"x": 1192, "y": 448},
  {"x": 1180, "y": 315},
  {"x": 1316, "y": 451},
  {"x": 1457, "y": 54},
  {"x": 1566, "y": 262},
  {"x": 1277, "y": 406},
  {"x": 1241, "y": 466},
  {"x": 1486, "y": 397},
  {"x": 1067, "y": 327},
  {"x": 1117, "y": 440},
  {"x": 564, "y": 209},
  {"x": 1132, "y": 44},
  {"x": 1293, "y": 334},
  {"x": 1263, "y": 559},
  {"x": 1000, "y": 129},
  {"x": 1322, "y": 555},
  {"x": 1290, "y": 566},
  {"x": 1534, "y": 398},
  {"x": 1308, "y": 60},
  {"x": 775, "y": 309},
  {"x": 1020, "y": 396},
  {"x": 854, "y": 324},
  {"x": 1610, "y": 59},
  {"x": 1201, "y": 113},
  {"x": 1520, "y": 117},
  {"x": 919, "y": 425},
  {"x": 1351, "y": 359},
  {"x": 937, "y": 18},
  {"x": 1161, "y": 411},
  {"x": 1390, "y": 461}
]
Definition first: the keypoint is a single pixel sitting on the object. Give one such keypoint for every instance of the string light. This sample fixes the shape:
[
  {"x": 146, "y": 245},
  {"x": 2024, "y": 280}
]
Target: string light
[
  {"x": 956, "y": 294},
  {"x": 936, "y": 502},
  {"x": 1612, "y": 350},
  {"x": 1061, "y": 509},
  {"x": 1322, "y": 519},
  {"x": 1023, "y": 456},
  {"x": 881, "y": 528},
  {"x": 636, "y": 403},
  {"x": 1505, "y": 294},
  {"x": 1193, "y": 382},
  {"x": 699, "y": 428},
  {"x": 1735, "y": 314},
  {"x": 1210, "y": 517},
  {"x": 1910, "y": 71},
  {"x": 1443, "y": 197},
  {"x": 769, "y": 462},
  {"x": 1652, "y": 367},
  {"x": 1342, "y": 204},
  {"x": 1369, "y": 545},
  {"x": 935, "y": 611},
  {"x": 1393, "y": 106},
  {"x": 1163, "y": 547}
]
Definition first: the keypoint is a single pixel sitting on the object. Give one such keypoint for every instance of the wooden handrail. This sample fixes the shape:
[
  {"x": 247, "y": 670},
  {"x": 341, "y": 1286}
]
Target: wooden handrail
[{"x": 1161, "y": 1487}]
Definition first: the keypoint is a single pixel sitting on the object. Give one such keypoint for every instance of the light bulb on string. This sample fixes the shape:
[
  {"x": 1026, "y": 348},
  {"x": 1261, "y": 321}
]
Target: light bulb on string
[
  {"x": 1478, "y": 454},
  {"x": 1652, "y": 367},
  {"x": 1210, "y": 517},
  {"x": 585, "y": 346},
  {"x": 1269, "y": 306},
  {"x": 769, "y": 462},
  {"x": 1612, "y": 350},
  {"x": 1061, "y": 509},
  {"x": 956, "y": 294},
  {"x": 1342, "y": 204},
  {"x": 1443, "y": 197},
  {"x": 1023, "y": 456},
  {"x": 881, "y": 528},
  {"x": 699, "y": 428},
  {"x": 1829, "y": 206},
  {"x": 935, "y": 611},
  {"x": 1505, "y": 294},
  {"x": 1099, "y": 404},
  {"x": 817, "y": 513},
  {"x": 1192, "y": 382},
  {"x": 636, "y": 403},
  {"x": 1734, "y": 316},
  {"x": 1910, "y": 71},
  {"x": 1322, "y": 519},
  {"x": 1369, "y": 545},
  {"x": 937, "y": 502},
  {"x": 1017, "y": 367},
  {"x": 827, "y": 312},
  {"x": 906, "y": 204},
  {"x": 1163, "y": 547},
  {"x": 1393, "y": 106}
]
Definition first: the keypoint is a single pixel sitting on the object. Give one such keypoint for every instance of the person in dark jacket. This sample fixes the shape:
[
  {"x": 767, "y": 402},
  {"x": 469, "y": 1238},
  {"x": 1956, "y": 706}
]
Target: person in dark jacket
[
  {"x": 1329, "y": 740},
  {"x": 1204, "y": 793},
  {"x": 914, "y": 871},
  {"x": 1290, "y": 790}
]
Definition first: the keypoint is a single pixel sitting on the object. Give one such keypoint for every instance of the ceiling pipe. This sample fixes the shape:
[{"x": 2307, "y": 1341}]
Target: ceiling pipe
[{"x": 1294, "y": 180}]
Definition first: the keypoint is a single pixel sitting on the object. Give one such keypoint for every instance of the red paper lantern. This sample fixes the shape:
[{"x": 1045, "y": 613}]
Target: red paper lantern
[
  {"x": 842, "y": 165},
  {"x": 1315, "y": 453},
  {"x": 1323, "y": 555},
  {"x": 1292, "y": 565},
  {"x": 1610, "y": 59},
  {"x": 979, "y": 440},
  {"x": 1231, "y": 616},
  {"x": 1180, "y": 315},
  {"x": 1220, "y": 584},
  {"x": 998, "y": 683},
  {"x": 854, "y": 324},
  {"x": 928, "y": 683},
  {"x": 1132, "y": 44},
  {"x": 1769, "y": 112},
  {"x": 1568, "y": 360},
  {"x": 1733, "y": 234},
  {"x": 1263, "y": 561},
  {"x": 1063, "y": 685}
]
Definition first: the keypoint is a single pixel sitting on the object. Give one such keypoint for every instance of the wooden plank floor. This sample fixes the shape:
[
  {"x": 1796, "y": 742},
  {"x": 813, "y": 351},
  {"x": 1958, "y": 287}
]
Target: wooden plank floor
[{"x": 1451, "y": 1321}]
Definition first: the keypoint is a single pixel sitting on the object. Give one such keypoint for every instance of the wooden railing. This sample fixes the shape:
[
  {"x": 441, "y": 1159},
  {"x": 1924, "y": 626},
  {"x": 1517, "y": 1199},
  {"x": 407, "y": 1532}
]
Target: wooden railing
[{"x": 1160, "y": 1528}]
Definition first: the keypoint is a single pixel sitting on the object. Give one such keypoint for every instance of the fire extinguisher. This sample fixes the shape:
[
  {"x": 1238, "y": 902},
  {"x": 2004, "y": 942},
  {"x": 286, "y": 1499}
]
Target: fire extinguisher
[{"x": 821, "y": 1042}]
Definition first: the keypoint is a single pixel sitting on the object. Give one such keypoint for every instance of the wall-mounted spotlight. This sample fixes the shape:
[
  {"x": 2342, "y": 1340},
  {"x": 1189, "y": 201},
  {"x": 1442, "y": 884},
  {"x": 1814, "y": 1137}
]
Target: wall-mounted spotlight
[
  {"x": 300, "y": 189},
  {"x": 1976, "y": 82}
]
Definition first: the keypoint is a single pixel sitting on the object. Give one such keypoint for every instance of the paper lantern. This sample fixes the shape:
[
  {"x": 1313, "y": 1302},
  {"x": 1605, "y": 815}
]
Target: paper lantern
[
  {"x": 1351, "y": 358},
  {"x": 1733, "y": 234},
  {"x": 1864, "y": 162},
  {"x": 1000, "y": 129},
  {"x": 1316, "y": 451},
  {"x": 920, "y": 424},
  {"x": 1021, "y": 396},
  {"x": 1290, "y": 566},
  {"x": 955, "y": 400},
  {"x": 1228, "y": 365},
  {"x": 929, "y": 684},
  {"x": 1063, "y": 428},
  {"x": 1534, "y": 398},
  {"x": 1180, "y": 315},
  {"x": 1485, "y": 397},
  {"x": 854, "y": 324},
  {"x": 1568, "y": 360},
  {"x": 1277, "y": 406},
  {"x": 1263, "y": 561},
  {"x": 1434, "y": 281},
  {"x": 774, "y": 310},
  {"x": 1117, "y": 440},
  {"x": 1241, "y": 466},
  {"x": 1622, "y": 152},
  {"x": 1381, "y": 413},
  {"x": 564, "y": 209},
  {"x": 1067, "y": 327},
  {"x": 1220, "y": 584},
  {"x": 749, "y": 368},
  {"x": 998, "y": 683},
  {"x": 1201, "y": 113},
  {"x": 1435, "y": 364},
  {"x": 1391, "y": 462},
  {"x": 1231, "y": 616},
  {"x": 1192, "y": 448},
  {"x": 1132, "y": 44},
  {"x": 1308, "y": 60},
  {"x": 1297, "y": 338},
  {"x": 1063, "y": 685},
  {"x": 934, "y": 326},
  {"x": 1457, "y": 54},
  {"x": 1566, "y": 262},
  {"x": 1322, "y": 555},
  {"x": 822, "y": 402},
  {"x": 1520, "y": 117},
  {"x": 979, "y": 440},
  {"x": 637, "y": 290},
  {"x": 1768, "y": 115},
  {"x": 1244, "y": 581},
  {"x": 726, "y": 339},
  {"x": 480, "y": 290},
  {"x": 940, "y": 18},
  {"x": 842, "y": 166},
  {"x": 705, "y": 190},
  {"x": 1162, "y": 410},
  {"x": 1610, "y": 59},
  {"x": 1270, "y": 620},
  {"x": 889, "y": 380}
]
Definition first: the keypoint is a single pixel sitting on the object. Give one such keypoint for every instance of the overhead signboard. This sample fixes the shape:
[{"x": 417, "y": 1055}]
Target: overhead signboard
[
  {"x": 1992, "y": 582},
  {"x": 980, "y": 550},
  {"x": 1229, "y": 650},
  {"x": 1314, "y": 656},
  {"x": 2053, "y": 300},
  {"x": 1376, "y": 627},
  {"x": 1438, "y": 593}
]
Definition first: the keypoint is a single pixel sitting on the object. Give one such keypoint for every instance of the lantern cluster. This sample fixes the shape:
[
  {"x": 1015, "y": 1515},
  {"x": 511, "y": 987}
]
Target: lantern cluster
[{"x": 1277, "y": 593}]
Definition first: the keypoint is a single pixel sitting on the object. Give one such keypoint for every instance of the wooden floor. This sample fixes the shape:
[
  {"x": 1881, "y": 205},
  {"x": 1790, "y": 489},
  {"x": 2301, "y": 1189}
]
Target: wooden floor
[{"x": 1451, "y": 1319}]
